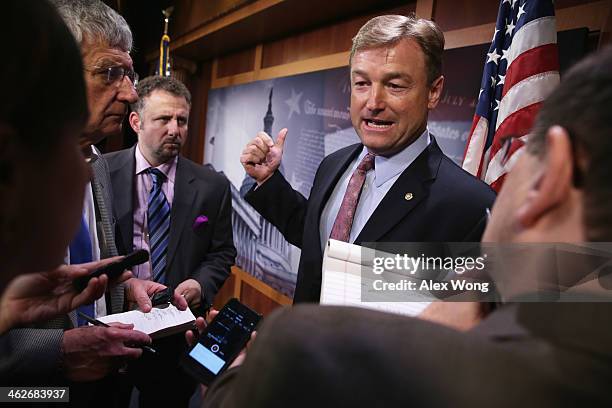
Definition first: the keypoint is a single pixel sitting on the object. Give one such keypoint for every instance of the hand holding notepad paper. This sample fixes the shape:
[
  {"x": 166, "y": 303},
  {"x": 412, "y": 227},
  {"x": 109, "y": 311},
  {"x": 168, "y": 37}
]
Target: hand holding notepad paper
[{"x": 157, "y": 323}]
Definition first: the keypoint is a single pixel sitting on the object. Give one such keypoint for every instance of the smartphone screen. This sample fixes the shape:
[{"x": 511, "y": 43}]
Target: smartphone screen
[{"x": 222, "y": 341}]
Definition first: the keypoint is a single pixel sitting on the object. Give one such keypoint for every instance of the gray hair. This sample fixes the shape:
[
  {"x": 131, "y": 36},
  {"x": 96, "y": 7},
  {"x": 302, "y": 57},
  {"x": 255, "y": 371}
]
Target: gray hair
[
  {"x": 159, "y": 83},
  {"x": 390, "y": 29},
  {"x": 96, "y": 22}
]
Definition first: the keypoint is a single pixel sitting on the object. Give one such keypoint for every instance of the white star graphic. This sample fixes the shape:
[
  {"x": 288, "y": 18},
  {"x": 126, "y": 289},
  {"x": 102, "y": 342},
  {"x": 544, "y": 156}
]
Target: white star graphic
[
  {"x": 505, "y": 54},
  {"x": 496, "y": 105},
  {"x": 480, "y": 93},
  {"x": 506, "y": 1},
  {"x": 509, "y": 28},
  {"x": 513, "y": 3},
  {"x": 294, "y": 103},
  {"x": 493, "y": 56},
  {"x": 521, "y": 11},
  {"x": 493, "y": 82},
  {"x": 502, "y": 78}
]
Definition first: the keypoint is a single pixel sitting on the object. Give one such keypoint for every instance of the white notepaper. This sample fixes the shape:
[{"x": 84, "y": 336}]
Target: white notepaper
[
  {"x": 342, "y": 282},
  {"x": 157, "y": 323}
]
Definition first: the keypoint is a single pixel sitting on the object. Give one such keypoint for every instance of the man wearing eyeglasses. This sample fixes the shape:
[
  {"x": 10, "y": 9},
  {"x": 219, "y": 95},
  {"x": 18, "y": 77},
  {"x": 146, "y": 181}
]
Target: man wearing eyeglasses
[
  {"x": 60, "y": 352},
  {"x": 110, "y": 80}
]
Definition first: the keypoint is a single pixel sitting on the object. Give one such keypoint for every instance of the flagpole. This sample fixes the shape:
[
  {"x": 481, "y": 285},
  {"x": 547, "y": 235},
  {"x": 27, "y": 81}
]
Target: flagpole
[{"x": 163, "y": 68}]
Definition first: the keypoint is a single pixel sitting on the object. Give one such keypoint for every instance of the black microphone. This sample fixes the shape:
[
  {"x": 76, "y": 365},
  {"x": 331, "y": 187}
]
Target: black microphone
[{"x": 114, "y": 269}]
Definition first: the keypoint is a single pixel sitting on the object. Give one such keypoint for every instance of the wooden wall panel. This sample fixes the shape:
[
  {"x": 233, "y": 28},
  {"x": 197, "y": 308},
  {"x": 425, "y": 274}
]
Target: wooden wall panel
[
  {"x": 198, "y": 85},
  {"x": 236, "y": 63},
  {"x": 190, "y": 14},
  {"x": 456, "y": 14},
  {"x": 256, "y": 300},
  {"x": 225, "y": 293},
  {"x": 559, "y": 4},
  {"x": 322, "y": 41}
]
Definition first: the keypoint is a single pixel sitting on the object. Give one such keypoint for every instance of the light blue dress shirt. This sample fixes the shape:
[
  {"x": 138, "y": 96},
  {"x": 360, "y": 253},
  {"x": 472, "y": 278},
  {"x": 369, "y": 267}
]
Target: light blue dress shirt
[{"x": 377, "y": 183}]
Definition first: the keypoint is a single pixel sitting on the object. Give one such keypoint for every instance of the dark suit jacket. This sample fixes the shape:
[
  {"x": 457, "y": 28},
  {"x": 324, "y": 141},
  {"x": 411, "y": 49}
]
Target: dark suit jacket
[
  {"x": 204, "y": 254},
  {"x": 448, "y": 205},
  {"x": 522, "y": 355}
]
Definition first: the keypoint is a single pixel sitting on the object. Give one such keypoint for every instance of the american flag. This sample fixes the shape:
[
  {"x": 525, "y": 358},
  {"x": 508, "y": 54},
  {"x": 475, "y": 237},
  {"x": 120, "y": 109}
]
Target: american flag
[{"x": 521, "y": 70}]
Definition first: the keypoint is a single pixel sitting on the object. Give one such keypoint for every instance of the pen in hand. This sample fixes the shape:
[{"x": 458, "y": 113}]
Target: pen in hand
[{"x": 97, "y": 322}]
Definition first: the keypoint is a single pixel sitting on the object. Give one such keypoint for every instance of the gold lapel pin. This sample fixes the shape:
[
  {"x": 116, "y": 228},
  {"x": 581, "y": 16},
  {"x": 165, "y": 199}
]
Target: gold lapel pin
[{"x": 408, "y": 196}]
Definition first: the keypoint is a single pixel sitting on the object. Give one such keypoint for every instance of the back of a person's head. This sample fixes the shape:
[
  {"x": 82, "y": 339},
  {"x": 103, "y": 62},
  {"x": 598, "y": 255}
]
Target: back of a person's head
[
  {"x": 95, "y": 22},
  {"x": 581, "y": 104},
  {"x": 42, "y": 74},
  {"x": 43, "y": 109}
]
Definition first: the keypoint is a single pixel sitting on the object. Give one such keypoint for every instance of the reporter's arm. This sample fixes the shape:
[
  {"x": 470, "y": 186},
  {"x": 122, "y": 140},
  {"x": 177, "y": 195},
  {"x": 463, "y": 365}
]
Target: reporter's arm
[{"x": 31, "y": 356}]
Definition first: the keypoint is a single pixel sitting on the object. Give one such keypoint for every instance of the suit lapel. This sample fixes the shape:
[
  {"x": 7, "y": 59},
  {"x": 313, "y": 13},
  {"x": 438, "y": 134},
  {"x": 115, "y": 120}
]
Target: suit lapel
[
  {"x": 405, "y": 194},
  {"x": 124, "y": 197},
  {"x": 183, "y": 202},
  {"x": 330, "y": 178}
]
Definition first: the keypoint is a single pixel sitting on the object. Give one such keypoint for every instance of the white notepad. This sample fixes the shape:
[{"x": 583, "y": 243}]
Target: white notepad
[
  {"x": 157, "y": 323},
  {"x": 342, "y": 281}
]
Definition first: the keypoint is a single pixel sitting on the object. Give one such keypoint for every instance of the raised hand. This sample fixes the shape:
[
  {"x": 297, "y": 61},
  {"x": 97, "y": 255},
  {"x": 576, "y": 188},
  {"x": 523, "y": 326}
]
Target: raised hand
[{"x": 262, "y": 156}]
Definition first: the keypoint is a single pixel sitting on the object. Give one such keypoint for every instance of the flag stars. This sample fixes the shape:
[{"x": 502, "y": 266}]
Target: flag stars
[
  {"x": 521, "y": 11},
  {"x": 493, "y": 56},
  {"x": 509, "y": 28},
  {"x": 513, "y": 3},
  {"x": 493, "y": 82},
  {"x": 480, "y": 93},
  {"x": 502, "y": 78},
  {"x": 505, "y": 54},
  {"x": 496, "y": 105}
]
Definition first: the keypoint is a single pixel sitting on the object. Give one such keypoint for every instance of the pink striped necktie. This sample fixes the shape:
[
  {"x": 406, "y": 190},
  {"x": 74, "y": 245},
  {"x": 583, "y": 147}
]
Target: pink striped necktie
[{"x": 341, "y": 230}]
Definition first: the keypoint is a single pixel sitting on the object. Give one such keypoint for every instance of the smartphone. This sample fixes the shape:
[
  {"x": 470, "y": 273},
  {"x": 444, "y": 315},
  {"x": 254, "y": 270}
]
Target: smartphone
[
  {"x": 114, "y": 269},
  {"x": 221, "y": 342}
]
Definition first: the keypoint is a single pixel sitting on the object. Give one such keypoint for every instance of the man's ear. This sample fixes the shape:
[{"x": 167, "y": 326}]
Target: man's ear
[
  {"x": 435, "y": 92},
  {"x": 135, "y": 121},
  {"x": 553, "y": 185}
]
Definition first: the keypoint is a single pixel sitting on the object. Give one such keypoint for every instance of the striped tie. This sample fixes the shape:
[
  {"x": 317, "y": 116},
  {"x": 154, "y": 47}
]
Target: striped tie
[{"x": 158, "y": 215}]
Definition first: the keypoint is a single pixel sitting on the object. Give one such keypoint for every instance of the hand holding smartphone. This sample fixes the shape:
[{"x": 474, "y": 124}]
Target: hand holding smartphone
[
  {"x": 221, "y": 342},
  {"x": 115, "y": 269}
]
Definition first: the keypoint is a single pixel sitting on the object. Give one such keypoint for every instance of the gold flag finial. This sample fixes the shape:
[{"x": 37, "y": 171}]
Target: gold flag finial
[{"x": 167, "y": 13}]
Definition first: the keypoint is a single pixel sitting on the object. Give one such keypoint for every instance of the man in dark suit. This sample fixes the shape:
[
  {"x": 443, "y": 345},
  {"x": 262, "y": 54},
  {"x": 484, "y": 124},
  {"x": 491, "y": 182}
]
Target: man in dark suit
[
  {"x": 200, "y": 249},
  {"x": 180, "y": 211},
  {"x": 522, "y": 354},
  {"x": 397, "y": 185}
]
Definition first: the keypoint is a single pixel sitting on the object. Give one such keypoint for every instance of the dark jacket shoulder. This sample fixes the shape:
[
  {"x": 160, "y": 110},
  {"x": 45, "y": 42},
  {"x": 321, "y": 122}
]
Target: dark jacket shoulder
[
  {"x": 118, "y": 159},
  {"x": 203, "y": 171}
]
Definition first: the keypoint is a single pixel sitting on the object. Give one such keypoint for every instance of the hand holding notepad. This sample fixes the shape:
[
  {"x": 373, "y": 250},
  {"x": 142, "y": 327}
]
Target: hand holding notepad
[{"x": 157, "y": 323}]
